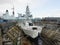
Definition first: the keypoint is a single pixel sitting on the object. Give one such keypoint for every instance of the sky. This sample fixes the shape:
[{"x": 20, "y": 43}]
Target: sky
[{"x": 38, "y": 8}]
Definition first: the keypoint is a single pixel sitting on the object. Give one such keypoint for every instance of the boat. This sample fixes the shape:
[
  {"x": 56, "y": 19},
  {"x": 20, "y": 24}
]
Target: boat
[{"x": 30, "y": 29}]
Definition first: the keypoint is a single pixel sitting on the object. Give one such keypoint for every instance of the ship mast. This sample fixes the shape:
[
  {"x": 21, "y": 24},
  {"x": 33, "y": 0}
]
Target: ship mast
[
  {"x": 13, "y": 11},
  {"x": 27, "y": 12}
]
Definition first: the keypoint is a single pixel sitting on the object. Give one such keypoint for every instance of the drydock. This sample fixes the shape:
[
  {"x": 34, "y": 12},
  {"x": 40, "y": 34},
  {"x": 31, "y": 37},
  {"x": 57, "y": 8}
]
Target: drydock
[
  {"x": 15, "y": 30},
  {"x": 13, "y": 35}
]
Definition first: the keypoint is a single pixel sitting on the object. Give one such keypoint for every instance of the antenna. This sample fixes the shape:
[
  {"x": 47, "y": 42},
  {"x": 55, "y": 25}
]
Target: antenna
[
  {"x": 13, "y": 8},
  {"x": 13, "y": 11}
]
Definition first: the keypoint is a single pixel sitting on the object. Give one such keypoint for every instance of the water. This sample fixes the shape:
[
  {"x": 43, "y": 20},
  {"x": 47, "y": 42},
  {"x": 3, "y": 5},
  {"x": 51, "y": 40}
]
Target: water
[{"x": 39, "y": 41}]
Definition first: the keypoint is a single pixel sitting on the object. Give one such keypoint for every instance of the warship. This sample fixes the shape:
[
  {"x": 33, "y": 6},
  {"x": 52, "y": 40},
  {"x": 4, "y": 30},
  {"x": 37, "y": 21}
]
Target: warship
[{"x": 28, "y": 27}]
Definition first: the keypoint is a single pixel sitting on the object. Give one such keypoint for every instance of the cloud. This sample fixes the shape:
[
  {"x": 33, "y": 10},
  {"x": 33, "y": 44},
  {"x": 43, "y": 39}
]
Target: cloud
[
  {"x": 5, "y": 1},
  {"x": 34, "y": 4},
  {"x": 50, "y": 13},
  {"x": 20, "y": 5}
]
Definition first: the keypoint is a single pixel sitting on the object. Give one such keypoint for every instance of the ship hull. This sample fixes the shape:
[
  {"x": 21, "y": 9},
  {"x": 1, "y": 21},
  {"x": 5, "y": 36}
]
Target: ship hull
[{"x": 32, "y": 33}]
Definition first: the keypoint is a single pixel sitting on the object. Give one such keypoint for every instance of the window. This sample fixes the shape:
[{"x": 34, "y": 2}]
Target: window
[
  {"x": 30, "y": 24},
  {"x": 34, "y": 28}
]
